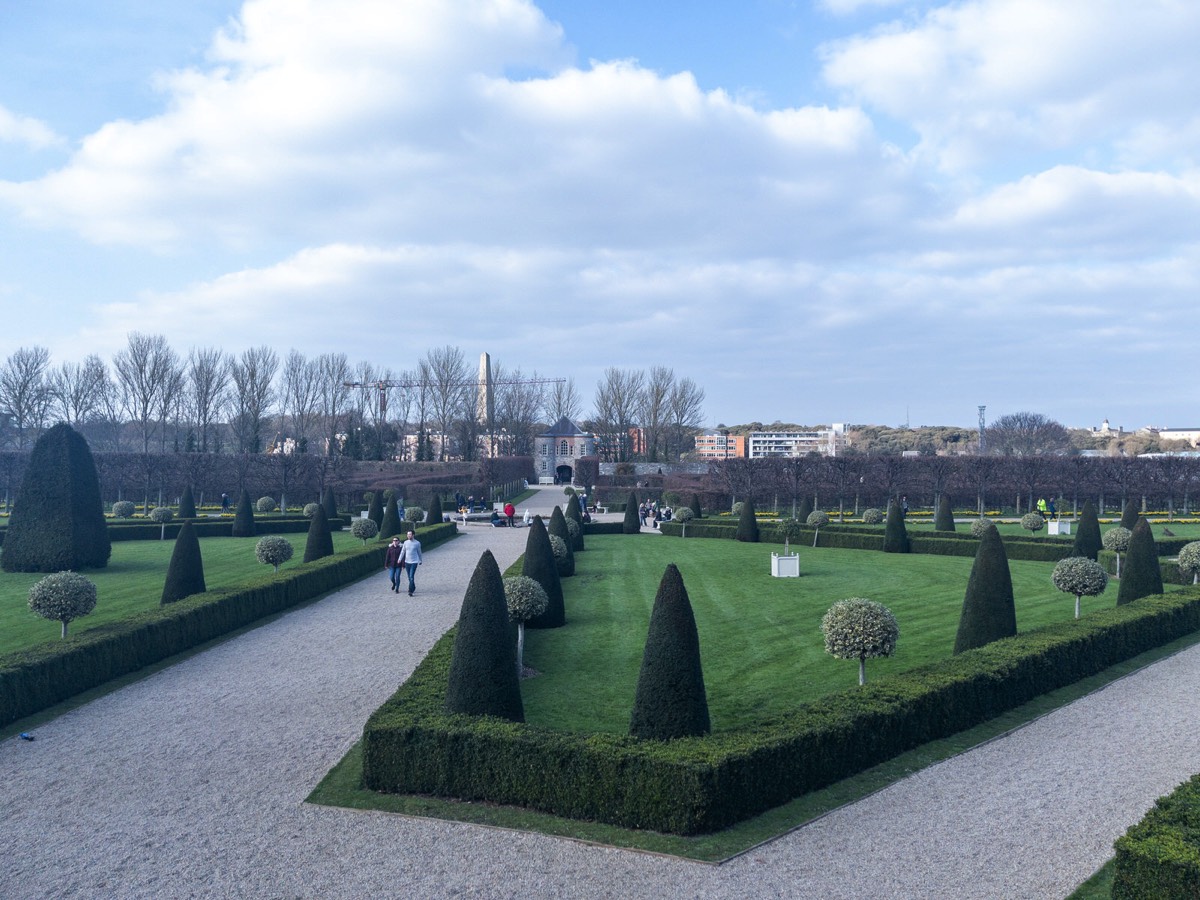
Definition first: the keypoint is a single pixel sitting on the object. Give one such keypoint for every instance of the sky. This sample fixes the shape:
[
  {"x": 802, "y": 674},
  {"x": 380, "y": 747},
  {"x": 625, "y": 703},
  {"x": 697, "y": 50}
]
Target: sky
[{"x": 859, "y": 211}]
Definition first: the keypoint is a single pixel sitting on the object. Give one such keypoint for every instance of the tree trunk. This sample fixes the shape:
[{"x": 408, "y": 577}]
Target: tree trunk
[
  {"x": 64, "y": 631},
  {"x": 520, "y": 648},
  {"x": 862, "y": 671},
  {"x": 1077, "y": 606}
]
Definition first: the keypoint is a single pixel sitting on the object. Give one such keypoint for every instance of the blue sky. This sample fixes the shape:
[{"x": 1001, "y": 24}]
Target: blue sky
[{"x": 850, "y": 210}]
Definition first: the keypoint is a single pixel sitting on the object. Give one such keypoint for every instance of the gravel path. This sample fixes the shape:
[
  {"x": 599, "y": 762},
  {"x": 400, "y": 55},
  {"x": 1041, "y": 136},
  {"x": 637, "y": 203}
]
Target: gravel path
[{"x": 190, "y": 783}]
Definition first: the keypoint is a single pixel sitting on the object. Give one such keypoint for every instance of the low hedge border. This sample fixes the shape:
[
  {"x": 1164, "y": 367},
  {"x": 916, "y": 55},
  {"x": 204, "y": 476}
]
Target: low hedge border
[
  {"x": 698, "y": 785},
  {"x": 1159, "y": 857},
  {"x": 33, "y": 679},
  {"x": 204, "y": 527}
]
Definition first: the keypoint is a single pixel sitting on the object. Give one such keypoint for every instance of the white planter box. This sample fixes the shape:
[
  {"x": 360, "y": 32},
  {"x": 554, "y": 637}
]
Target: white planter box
[
  {"x": 785, "y": 566},
  {"x": 1055, "y": 527}
]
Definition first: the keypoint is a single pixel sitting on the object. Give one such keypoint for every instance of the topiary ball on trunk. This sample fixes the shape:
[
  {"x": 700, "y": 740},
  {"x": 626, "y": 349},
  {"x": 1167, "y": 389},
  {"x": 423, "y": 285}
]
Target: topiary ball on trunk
[{"x": 185, "y": 573}]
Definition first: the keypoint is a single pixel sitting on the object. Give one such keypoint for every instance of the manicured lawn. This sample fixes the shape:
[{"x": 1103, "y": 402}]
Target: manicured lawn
[
  {"x": 760, "y": 637},
  {"x": 133, "y": 581}
]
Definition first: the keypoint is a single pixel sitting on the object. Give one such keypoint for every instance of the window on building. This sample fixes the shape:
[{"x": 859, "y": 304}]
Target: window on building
[{"x": 564, "y": 449}]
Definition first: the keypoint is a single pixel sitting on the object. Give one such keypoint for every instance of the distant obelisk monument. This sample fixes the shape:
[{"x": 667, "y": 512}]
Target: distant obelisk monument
[{"x": 485, "y": 409}]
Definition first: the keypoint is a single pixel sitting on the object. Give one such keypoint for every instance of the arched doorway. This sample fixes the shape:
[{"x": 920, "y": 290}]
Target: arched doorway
[{"x": 564, "y": 474}]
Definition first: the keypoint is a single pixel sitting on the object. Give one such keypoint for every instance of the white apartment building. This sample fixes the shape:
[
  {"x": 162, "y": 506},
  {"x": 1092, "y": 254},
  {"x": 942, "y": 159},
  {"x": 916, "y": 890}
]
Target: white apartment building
[{"x": 826, "y": 441}]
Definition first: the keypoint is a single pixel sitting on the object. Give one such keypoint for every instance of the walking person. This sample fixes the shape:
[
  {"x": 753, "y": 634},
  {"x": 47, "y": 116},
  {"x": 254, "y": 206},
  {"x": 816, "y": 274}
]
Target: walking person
[
  {"x": 393, "y": 561},
  {"x": 412, "y": 559}
]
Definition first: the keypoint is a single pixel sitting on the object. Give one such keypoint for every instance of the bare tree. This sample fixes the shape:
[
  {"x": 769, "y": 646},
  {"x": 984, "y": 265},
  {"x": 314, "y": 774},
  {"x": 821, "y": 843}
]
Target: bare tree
[
  {"x": 519, "y": 402},
  {"x": 686, "y": 416},
  {"x": 141, "y": 375},
  {"x": 301, "y": 391},
  {"x": 400, "y": 407},
  {"x": 1026, "y": 434},
  {"x": 252, "y": 375},
  {"x": 654, "y": 409},
  {"x": 208, "y": 391},
  {"x": 170, "y": 398},
  {"x": 332, "y": 396},
  {"x": 451, "y": 390},
  {"x": 78, "y": 389},
  {"x": 423, "y": 402},
  {"x": 618, "y": 398},
  {"x": 562, "y": 401},
  {"x": 25, "y": 393}
]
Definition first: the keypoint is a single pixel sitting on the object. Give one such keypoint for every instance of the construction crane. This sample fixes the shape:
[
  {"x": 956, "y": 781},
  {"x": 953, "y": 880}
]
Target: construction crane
[{"x": 384, "y": 385}]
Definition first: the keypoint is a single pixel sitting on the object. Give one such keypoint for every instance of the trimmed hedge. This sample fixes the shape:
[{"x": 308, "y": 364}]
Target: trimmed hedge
[
  {"x": 697, "y": 785},
  {"x": 1159, "y": 857},
  {"x": 38, "y": 677}
]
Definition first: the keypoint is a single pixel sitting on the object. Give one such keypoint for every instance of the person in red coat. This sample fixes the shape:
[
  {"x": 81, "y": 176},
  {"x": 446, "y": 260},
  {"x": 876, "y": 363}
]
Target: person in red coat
[{"x": 509, "y": 512}]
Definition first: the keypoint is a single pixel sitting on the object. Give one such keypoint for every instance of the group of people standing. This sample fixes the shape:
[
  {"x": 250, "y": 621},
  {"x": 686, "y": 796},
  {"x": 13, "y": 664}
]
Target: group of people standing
[
  {"x": 650, "y": 513},
  {"x": 1047, "y": 509},
  {"x": 403, "y": 558}
]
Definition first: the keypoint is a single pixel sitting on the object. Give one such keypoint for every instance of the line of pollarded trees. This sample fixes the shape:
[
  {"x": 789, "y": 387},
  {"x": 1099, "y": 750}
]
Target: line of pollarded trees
[{"x": 851, "y": 482}]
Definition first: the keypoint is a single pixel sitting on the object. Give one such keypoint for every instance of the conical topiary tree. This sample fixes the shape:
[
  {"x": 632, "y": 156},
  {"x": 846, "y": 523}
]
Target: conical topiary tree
[
  {"x": 1130, "y": 514},
  {"x": 1087, "y": 535},
  {"x": 631, "y": 524},
  {"x": 391, "y": 523},
  {"x": 1141, "y": 575},
  {"x": 943, "y": 519},
  {"x": 483, "y": 665},
  {"x": 187, "y": 503},
  {"x": 243, "y": 519},
  {"x": 670, "y": 701},
  {"x": 541, "y": 567},
  {"x": 433, "y": 515},
  {"x": 747, "y": 527},
  {"x": 375, "y": 508},
  {"x": 333, "y": 519},
  {"x": 575, "y": 513},
  {"x": 558, "y": 527},
  {"x": 988, "y": 611},
  {"x": 697, "y": 512},
  {"x": 320, "y": 539},
  {"x": 895, "y": 535},
  {"x": 185, "y": 573},
  {"x": 57, "y": 522},
  {"x": 805, "y": 509}
]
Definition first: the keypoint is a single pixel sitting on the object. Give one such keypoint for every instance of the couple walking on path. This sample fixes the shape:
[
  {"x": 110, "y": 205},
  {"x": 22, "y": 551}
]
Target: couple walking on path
[{"x": 402, "y": 559}]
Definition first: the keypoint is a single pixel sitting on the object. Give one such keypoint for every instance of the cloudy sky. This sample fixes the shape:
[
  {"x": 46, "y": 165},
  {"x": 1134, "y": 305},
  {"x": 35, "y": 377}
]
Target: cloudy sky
[{"x": 836, "y": 211}]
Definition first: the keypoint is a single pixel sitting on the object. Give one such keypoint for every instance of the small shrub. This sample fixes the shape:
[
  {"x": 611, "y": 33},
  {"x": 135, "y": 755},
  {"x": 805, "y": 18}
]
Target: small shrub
[
  {"x": 872, "y": 516},
  {"x": 414, "y": 514},
  {"x": 310, "y": 509},
  {"x": 683, "y": 515},
  {"x": 817, "y": 519},
  {"x": 526, "y": 599},
  {"x": 1117, "y": 540},
  {"x": 1033, "y": 522},
  {"x": 274, "y": 550},
  {"x": 162, "y": 515},
  {"x": 364, "y": 529},
  {"x": 1189, "y": 560},
  {"x": 789, "y": 530},
  {"x": 266, "y": 505},
  {"x": 562, "y": 557},
  {"x": 63, "y": 597},
  {"x": 860, "y": 629},
  {"x": 979, "y": 526},
  {"x": 124, "y": 509},
  {"x": 1080, "y": 576}
]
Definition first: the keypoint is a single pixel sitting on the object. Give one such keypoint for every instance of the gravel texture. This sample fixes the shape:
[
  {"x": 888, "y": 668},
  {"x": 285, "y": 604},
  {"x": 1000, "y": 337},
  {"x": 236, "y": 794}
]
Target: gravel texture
[{"x": 190, "y": 783}]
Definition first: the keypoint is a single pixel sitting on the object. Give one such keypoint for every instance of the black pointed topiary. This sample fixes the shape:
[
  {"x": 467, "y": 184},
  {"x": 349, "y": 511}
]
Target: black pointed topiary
[
  {"x": 57, "y": 522},
  {"x": 541, "y": 567},
  {"x": 895, "y": 535},
  {"x": 1088, "y": 542},
  {"x": 988, "y": 611},
  {"x": 1140, "y": 575},
  {"x": 805, "y": 509},
  {"x": 632, "y": 523},
  {"x": 433, "y": 515},
  {"x": 243, "y": 519},
  {"x": 670, "y": 701},
  {"x": 943, "y": 519},
  {"x": 391, "y": 523},
  {"x": 747, "y": 527},
  {"x": 1130, "y": 514},
  {"x": 697, "y": 512},
  {"x": 329, "y": 503},
  {"x": 185, "y": 574},
  {"x": 558, "y": 526},
  {"x": 483, "y": 679},
  {"x": 375, "y": 509},
  {"x": 320, "y": 539},
  {"x": 575, "y": 513},
  {"x": 187, "y": 504}
]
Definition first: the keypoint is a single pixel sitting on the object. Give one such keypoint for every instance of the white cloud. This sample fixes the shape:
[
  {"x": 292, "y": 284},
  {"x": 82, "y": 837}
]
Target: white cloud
[{"x": 26, "y": 131}]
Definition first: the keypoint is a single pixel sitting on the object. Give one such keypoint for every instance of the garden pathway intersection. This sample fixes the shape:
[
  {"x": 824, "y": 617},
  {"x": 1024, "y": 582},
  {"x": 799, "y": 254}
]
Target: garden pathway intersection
[{"x": 190, "y": 783}]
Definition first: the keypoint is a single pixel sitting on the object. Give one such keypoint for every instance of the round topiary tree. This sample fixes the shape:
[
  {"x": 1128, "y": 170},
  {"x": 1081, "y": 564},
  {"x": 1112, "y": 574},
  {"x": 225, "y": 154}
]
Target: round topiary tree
[
  {"x": 872, "y": 516},
  {"x": 574, "y": 516},
  {"x": 631, "y": 524},
  {"x": 540, "y": 565},
  {"x": 895, "y": 535},
  {"x": 860, "y": 629},
  {"x": 414, "y": 515},
  {"x": 670, "y": 701},
  {"x": 162, "y": 515},
  {"x": 63, "y": 597},
  {"x": 185, "y": 573},
  {"x": 980, "y": 526},
  {"x": 187, "y": 503},
  {"x": 320, "y": 539},
  {"x": 364, "y": 529},
  {"x": 943, "y": 519},
  {"x": 310, "y": 509},
  {"x": 816, "y": 519},
  {"x": 790, "y": 530},
  {"x": 1130, "y": 514},
  {"x": 482, "y": 680},
  {"x": 375, "y": 508},
  {"x": 562, "y": 556},
  {"x": 243, "y": 519},
  {"x": 124, "y": 509},
  {"x": 266, "y": 505},
  {"x": 273, "y": 550},
  {"x": 1116, "y": 539},
  {"x": 684, "y": 515},
  {"x": 434, "y": 514},
  {"x": 988, "y": 611},
  {"x": 525, "y": 599},
  {"x": 1142, "y": 576},
  {"x": 558, "y": 528},
  {"x": 333, "y": 520},
  {"x": 1080, "y": 576},
  {"x": 1189, "y": 561},
  {"x": 747, "y": 527},
  {"x": 1087, "y": 536},
  {"x": 697, "y": 512},
  {"x": 57, "y": 522},
  {"x": 1033, "y": 522}
]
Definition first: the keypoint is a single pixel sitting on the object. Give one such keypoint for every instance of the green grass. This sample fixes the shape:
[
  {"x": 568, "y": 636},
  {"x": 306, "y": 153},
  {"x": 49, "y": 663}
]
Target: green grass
[
  {"x": 760, "y": 640},
  {"x": 1099, "y": 886},
  {"x": 133, "y": 581}
]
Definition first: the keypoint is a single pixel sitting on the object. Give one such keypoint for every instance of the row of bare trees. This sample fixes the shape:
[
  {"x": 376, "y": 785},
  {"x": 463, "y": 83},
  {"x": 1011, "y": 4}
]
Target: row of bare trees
[
  {"x": 853, "y": 481},
  {"x": 647, "y": 414}
]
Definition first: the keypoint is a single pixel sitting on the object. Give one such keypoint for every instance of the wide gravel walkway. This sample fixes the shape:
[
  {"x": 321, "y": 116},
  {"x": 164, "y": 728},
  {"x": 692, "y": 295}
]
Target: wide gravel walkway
[{"x": 190, "y": 783}]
